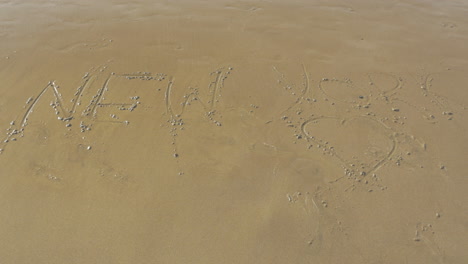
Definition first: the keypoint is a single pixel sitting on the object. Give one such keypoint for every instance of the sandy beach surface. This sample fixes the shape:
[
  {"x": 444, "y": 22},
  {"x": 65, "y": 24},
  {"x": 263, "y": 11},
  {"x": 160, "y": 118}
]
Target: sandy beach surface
[{"x": 233, "y": 131}]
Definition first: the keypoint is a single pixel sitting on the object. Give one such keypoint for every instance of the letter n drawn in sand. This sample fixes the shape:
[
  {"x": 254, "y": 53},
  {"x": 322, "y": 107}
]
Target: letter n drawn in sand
[{"x": 63, "y": 113}]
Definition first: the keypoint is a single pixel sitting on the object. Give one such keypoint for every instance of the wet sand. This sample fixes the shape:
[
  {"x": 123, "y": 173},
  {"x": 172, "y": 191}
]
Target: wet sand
[{"x": 233, "y": 131}]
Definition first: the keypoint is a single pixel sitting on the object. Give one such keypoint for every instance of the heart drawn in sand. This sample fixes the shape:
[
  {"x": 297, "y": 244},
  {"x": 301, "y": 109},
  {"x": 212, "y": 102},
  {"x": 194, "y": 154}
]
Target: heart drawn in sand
[{"x": 360, "y": 143}]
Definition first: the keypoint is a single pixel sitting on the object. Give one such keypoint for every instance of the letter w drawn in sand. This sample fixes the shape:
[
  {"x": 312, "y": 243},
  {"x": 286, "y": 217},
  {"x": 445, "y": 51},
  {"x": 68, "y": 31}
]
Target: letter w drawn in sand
[{"x": 209, "y": 106}]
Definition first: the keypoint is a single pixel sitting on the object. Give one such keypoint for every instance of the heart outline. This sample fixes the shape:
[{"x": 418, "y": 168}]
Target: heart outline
[{"x": 373, "y": 167}]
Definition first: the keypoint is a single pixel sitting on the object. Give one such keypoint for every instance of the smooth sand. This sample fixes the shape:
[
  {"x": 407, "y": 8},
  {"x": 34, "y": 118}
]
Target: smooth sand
[{"x": 233, "y": 131}]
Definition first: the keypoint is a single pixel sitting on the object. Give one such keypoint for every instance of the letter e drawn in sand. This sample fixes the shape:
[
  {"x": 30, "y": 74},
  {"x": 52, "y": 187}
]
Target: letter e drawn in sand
[{"x": 121, "y": 94}]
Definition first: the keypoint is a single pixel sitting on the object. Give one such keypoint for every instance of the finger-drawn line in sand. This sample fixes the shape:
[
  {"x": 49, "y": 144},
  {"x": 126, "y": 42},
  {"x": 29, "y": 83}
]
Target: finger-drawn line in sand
[
  {"x": 444, "y": 104},
  {"x": 314, "y": 236},
  {"x": 214, "y": 88},
  {"x": 346, "y": 91},
  {"x": 66, "y": 114},
  {"x": 343, "y": 95},
  {"x": 99, "y": 96},
  {"x": 290, "y": 85},
  {"x": 385, "y": 91},
  {"x": 323, "y": 228},
  {"x": 97, "y": 101},
  {"x": 390, "y": 95},
  {"x": 176, "y": 119},
  {"x": 425, "y": 234},
  {"x": 316, "y": 240},
  {"x": 299, "y": 121},
  {"x": 383, "y": 87},
  {"x": 367, "y": 168},
  {"x": 441, "y": 101}
]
